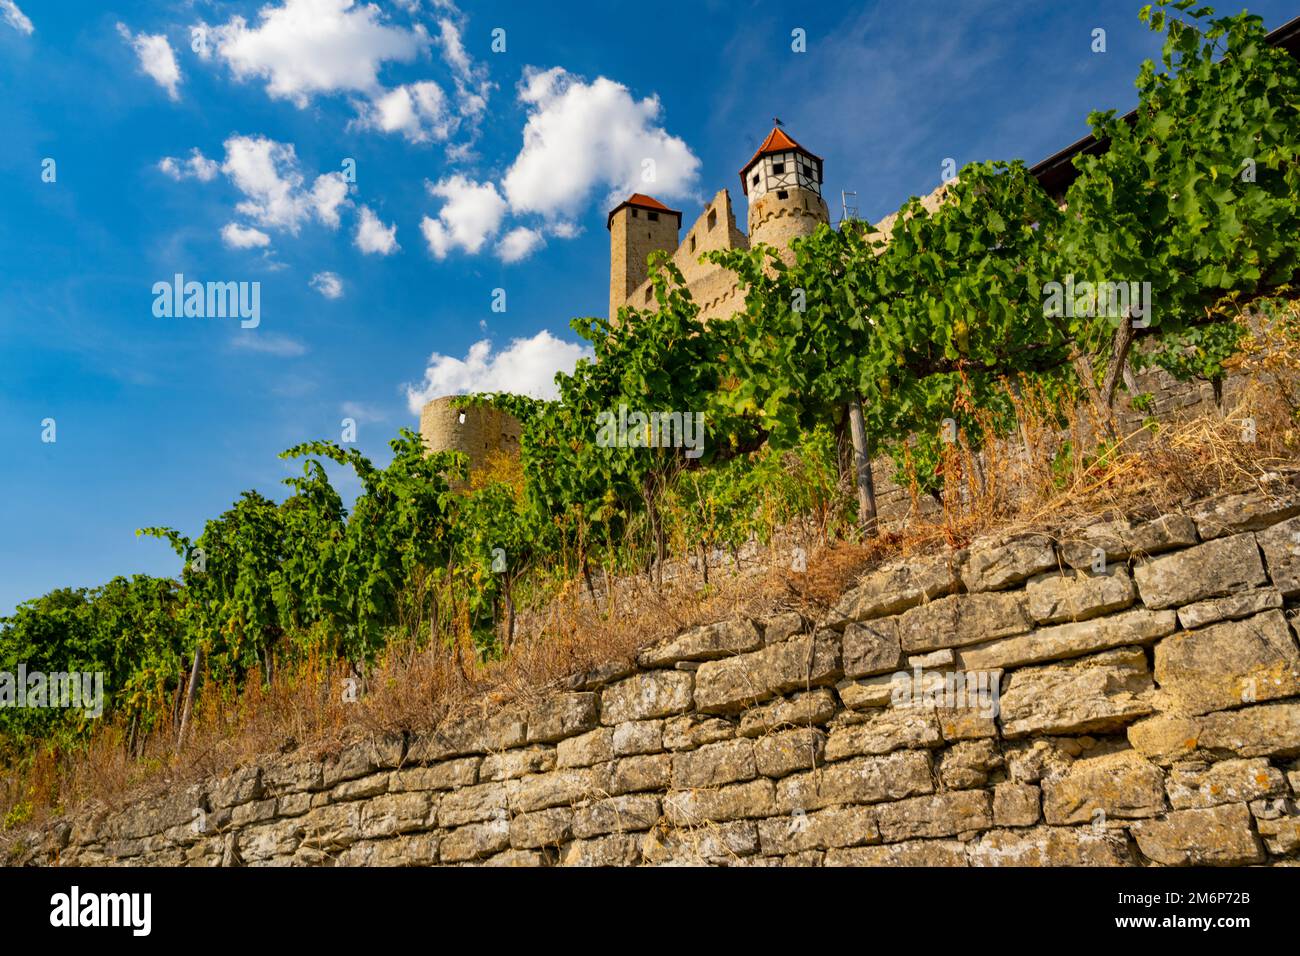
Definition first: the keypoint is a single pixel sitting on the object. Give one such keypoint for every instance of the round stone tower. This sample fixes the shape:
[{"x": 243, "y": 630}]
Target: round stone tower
[
  {"x": 784, "y": 185},
  {"x": 478, "y": 431}
]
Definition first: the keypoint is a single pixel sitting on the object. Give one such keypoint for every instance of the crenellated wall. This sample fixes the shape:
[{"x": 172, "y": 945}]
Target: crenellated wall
[{"x": 1146, "y": 678}]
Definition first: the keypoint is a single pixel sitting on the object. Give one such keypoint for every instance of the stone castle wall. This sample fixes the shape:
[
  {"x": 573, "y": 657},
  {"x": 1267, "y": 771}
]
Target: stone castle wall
[
  {"x": 713, "y": 288},
  {"x": 1148, "y": 712}
]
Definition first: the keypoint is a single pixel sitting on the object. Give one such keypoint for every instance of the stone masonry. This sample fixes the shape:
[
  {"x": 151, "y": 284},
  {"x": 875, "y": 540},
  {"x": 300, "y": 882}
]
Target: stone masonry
[{"x": 1148, "y": 691}]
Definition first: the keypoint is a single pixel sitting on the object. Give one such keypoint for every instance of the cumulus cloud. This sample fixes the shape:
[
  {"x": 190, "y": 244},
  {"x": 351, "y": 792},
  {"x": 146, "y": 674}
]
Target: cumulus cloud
[
  {"x": 268, "y": 175},
  {"x": 525, "y": 367},
  {"x": 583, "y": 137},
  {"x": 15, "y": 18},
  {"x": 373, "y": 236},
  {"x": 327, "y": 284},
  {"x": 243, "y": 237},
  {"x": 302, "y": 49},
  {"x": 307, "y": 47},
  {"x": 418, "y": 111},
  {"x": 156, "y": 58},
  {"x": 470, "y": 216},
  {"x": 196, "y": 166},
  {"x": 519, "y": 243}
]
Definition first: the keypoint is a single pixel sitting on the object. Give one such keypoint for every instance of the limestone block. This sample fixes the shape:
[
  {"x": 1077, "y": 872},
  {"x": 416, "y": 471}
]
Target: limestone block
[
  {"x": 1005, "y": 562},
  {"x": 895, "y": 589},
  {"x": 781, "y": 754},
  {"x": 709, "y": 642},
  {"x": 1064, "y": 641},
  {"x": 732, "y": 684},
  {"x": 1052, "y": 846},
  {"x": 1234, "y": 607},
  {"x": 823, "y": 829},
  {"x": 1228, "y": 664},
  {"x": 1060, "y": 596},
  {"x": 1122, "y": 785},
  {"x": 1099, "y": 693},
  {"x": 645, "y": 696},
  {"x": 595, "y": 746},
  {"x": 562, "y": 715},
  {"x": 1197, "y": 785},
  {"x": 962, "y": 619},
  {"x": 891, "y": 729},
  {"x": 1015, "y": 804},
  {"x": 714, "y": 764},
  {"x": 872, "y": 647},
  {"x": 1213, "y": 569},
  {"x": 800, "y": 709},
  {"x": 1217, "y": 836},
  {"x": 936, "y": 815},
  {"x": 860, "y": 780}
]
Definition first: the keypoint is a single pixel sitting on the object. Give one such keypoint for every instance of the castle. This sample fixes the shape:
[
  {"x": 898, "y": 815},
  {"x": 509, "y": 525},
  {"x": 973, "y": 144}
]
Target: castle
[{"x": 783, "y": 183}]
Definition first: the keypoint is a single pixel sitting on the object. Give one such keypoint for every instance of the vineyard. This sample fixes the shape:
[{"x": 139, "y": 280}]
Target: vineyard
[{"x": 921, "y": 347}]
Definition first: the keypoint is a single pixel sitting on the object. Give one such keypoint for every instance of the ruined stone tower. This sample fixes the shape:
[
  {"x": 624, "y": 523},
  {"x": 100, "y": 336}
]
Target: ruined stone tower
[
  {"x": 477, "y": 431},
  {"x": 784, "y": 184},
  {"x": 637, "y": 227}
]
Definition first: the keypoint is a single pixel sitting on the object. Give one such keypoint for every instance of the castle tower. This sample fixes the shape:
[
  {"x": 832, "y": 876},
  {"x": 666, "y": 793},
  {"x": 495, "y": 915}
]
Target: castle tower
[
  {"x": 447, "y": 424},
  {"x": 637, "y": 226},
  {"x": 784, "y": 185}
]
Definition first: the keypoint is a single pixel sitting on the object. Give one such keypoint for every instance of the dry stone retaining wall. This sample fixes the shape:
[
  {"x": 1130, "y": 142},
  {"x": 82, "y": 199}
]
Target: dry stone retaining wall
[{"x": 1148, "y": 682}]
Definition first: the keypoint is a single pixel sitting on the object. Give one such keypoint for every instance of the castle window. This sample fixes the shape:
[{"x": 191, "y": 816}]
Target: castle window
[
  {"x": 713, "y": 218},
  {"x": 782, "y": 194},
  {"x": 654, "y": 216},
  {"x": 755, "y": 182},
  {"x": 692, "y": 242},
  {"x": 635, "y": 214},
  {"x": 778, "y": 168},
  {"x": 649, "y": 293},
  {"x": 460, "y": 419}
]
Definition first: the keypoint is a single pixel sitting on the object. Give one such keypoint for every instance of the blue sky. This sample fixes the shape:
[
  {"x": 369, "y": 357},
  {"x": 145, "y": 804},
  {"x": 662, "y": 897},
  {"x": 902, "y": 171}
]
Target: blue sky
[{"x": 212, "y": 138}]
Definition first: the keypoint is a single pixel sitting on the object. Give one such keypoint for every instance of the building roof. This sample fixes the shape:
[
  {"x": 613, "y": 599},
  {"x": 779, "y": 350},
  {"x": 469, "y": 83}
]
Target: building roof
[
  {"x": 1056, "y": 172},
  {"x": 642, "y": 201},
  {"x": 778, "y": 141}
]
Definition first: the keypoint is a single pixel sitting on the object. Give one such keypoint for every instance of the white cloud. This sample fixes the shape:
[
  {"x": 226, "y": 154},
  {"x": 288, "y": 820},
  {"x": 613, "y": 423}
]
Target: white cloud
[
  {"x": 305, "y": 47},
  {"x": 15, "y": 17},
  {"x": 416, "y": 110},
  {"x": 471, "y": 215},
  {"x": 472, "y": 85},
  {"x": 526, "y": 367},
  {"x": 156, "y": 58},
  {"x": 267, "y": 173},
  {"x": 327, "y": 284},
  {"x": 581, "y": 137},
  {"x": 243, "y": 237},
  {"x": 197, "y": 166},
  {"x": 269, "y": 343},
  {"x": 373, "y": 236},
  {"x": 519, "y": 243}
]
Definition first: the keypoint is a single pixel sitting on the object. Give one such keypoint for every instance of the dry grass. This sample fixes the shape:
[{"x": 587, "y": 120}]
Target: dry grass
[{"x": 1016, "y": 484}]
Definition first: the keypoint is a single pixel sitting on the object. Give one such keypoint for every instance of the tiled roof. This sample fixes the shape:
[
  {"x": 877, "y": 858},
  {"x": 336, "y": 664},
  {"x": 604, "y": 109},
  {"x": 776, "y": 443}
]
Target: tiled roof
[
  {"x": 778, "y": 141},
  {"x": 642, "y": 201}
]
